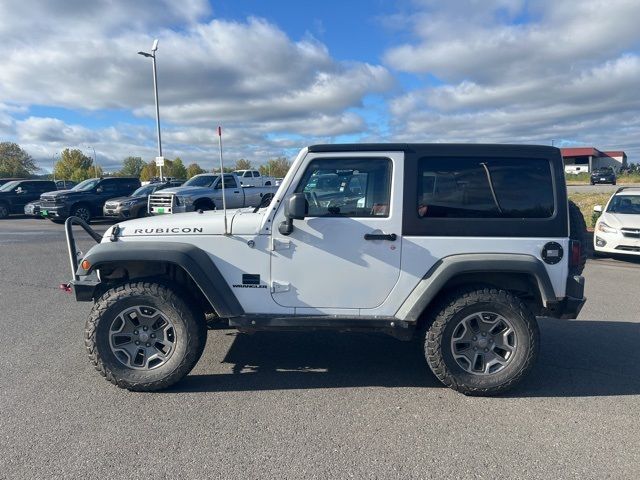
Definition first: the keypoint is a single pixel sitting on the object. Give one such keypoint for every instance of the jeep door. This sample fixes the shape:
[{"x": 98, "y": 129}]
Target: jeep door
[{"x": 346, "y": 253}]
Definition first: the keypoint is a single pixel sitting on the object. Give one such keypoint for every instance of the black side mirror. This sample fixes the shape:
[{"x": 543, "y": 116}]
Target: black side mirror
[
  {"x": 99, "y": 190},
  {"x": 295, "y": 208}
]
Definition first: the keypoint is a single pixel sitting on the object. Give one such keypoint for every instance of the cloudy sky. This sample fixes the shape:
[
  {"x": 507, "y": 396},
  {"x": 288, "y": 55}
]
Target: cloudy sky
[{"x": 279, "y": 75}]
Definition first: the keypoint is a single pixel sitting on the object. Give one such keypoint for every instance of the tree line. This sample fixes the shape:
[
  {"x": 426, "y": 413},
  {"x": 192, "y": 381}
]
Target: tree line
[{"x": 74, "y": 165}]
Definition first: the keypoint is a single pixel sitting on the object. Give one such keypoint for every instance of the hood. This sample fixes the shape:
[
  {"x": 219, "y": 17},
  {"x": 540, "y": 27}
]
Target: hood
[
  {"x": 126, "y": 199},
  {"x": 620, "y": 220},
  {"x": 57, "y": 193},
  {"x": 186, "y": 191},
  {"x": 239, "y": 222}
]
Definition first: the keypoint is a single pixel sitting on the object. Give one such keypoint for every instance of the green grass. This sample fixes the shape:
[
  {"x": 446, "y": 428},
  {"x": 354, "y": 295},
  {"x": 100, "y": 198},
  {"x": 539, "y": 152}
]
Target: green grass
[
  {"x": 583, "y": 178},
  {"x": 586, "y": 202}
]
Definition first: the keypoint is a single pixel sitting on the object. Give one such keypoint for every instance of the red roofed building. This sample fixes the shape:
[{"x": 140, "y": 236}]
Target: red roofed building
[{"x": 587, "y": 159}]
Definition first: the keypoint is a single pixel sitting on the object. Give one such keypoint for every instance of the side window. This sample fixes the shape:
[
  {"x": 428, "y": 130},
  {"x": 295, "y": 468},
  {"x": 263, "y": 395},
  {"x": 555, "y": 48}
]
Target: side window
[
  {"x": 347, "y": 187},
  {"x": 229, "y": 182},
  {"x": 246, "y": 174},
  {"x": 484, "y": 188},
  {"x": 108, "y": 186},
  {"x": 256, "y": 174}
]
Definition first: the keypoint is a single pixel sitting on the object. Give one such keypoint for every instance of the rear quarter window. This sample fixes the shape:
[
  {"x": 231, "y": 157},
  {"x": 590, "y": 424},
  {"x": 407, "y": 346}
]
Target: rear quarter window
[{"x": 484, "y": 188}]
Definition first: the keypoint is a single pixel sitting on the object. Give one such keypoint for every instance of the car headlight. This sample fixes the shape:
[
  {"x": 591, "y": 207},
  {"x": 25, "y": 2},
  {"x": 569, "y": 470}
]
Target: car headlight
[
  {"x": 61, "y": 199},
  {"x": 603, "y": 227},
  {"x": 130, "y": 203},
  {"x": 183, "y": 200}
]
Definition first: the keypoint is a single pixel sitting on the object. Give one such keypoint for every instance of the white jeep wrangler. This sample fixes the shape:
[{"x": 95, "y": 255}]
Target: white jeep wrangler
[{"x": 459, "y": 246}]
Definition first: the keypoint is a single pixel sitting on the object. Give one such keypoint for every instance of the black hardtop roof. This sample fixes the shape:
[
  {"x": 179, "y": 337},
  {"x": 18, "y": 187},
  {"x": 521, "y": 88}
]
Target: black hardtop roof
[{"x": 443, "y": 148}]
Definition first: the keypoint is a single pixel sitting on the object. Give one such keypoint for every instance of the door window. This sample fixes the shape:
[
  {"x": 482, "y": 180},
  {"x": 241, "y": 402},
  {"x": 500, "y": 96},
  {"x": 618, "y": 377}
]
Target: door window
[
  {"x": 347, "y": 187},
  {"x": 229, "y": 182}
]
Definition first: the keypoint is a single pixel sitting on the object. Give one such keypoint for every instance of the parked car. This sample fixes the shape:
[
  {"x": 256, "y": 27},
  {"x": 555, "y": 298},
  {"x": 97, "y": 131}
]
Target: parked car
[
  {"x": 204, "y": 192},
  {"x": 618, "y": 228},
  {"x": 135, "y": 205},
  {"x": 65, "y": 184},
  {"x": 86, "y": 200},
  {"x": 603, "y": 175},
  {"x": 253, "y": 178},
  {"x": 16, "y": 194},
  {"x": 493, "y": 250}
]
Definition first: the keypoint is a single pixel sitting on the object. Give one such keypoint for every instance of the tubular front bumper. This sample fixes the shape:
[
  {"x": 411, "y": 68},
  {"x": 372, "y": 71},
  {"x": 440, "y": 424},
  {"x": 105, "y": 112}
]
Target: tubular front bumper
[{"x": 83, "y": 287}]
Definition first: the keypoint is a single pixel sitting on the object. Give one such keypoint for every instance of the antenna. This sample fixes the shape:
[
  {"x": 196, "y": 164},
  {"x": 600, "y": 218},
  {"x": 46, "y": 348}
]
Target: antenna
[{"x": 224, "y": 199}]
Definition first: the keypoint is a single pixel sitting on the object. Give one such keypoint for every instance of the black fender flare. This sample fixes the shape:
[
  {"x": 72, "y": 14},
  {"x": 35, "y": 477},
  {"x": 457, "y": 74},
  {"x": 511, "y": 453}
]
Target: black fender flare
[
  {"x": 448, "y": 267},
  {"x": 195, "y": 261}
]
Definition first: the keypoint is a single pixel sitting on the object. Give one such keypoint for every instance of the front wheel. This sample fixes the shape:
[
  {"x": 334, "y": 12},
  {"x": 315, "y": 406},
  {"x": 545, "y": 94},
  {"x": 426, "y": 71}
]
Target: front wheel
[
  {"x": 81, "y": 211},
  {"x": 4, "y": 210},
  {"x": 144, "y": 336},
  {"x": 482, "y": 342}
]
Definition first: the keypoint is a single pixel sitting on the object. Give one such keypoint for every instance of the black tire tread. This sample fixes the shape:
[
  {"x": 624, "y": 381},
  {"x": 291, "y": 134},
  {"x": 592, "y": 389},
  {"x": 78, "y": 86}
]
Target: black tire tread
[
  {"x": 108, "y": 299},
  {"x": 454, "y": 303}
]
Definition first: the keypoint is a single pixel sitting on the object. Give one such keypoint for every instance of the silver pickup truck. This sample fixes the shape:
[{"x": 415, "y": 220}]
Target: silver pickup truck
[{"x": 204, "y": 192}]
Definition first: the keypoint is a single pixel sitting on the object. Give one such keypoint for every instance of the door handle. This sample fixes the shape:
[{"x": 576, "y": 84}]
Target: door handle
[{"x": 381, "y": 236}]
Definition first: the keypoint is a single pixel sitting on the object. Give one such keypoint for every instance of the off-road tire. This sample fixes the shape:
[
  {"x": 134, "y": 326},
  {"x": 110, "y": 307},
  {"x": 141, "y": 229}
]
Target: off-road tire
[
  {"x": 4, "y": 210},
  {"x": 461, "y": 303},
  {"x": 578, "y": 232},
  {"x": 77, "y": 211},
  {"x": 189, "y": 322}
]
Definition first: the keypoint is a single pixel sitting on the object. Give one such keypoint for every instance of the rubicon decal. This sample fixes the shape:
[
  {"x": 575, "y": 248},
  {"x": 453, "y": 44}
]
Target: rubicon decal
[{"x": 142, "y": 231}]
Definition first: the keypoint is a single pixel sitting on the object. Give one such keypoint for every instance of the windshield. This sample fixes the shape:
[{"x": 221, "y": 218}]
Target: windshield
[
  {"x": 144, "y": 191},
  {"x": 604, "y": 170},
  {"x": 200, "y": 181},
  {"x": 8, "y": 186},
  {"x": 625, "y": 204},
  {"x": 87, "y": 184}
]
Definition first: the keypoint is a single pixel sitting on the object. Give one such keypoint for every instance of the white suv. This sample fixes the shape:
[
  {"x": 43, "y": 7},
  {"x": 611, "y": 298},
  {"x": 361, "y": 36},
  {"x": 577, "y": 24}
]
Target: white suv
[
  {"x": 457, "y": 246},
  {"x": 618, "y": 228}
]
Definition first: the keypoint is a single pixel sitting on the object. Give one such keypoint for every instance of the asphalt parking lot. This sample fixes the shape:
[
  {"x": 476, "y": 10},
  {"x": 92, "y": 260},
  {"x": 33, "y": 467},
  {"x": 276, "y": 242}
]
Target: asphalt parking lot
[
  {"x": 312, "y": 405},
  {"x": 598, "y": 188}
]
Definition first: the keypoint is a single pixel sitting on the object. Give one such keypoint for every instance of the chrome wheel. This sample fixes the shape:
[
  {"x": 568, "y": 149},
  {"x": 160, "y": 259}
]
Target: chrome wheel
[
  {"x": 483, "y": 343},
  {"x": 142, "y": 338}
]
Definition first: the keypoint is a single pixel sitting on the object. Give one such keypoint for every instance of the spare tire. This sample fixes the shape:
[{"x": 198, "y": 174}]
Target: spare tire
[{"x": 578, "y": 232}]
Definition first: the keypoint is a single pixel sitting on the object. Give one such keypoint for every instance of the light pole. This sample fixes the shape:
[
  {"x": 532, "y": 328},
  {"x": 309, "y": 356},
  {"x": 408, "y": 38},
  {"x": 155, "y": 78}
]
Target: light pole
[
  {"x": 152, "y": 55},
  {"x": 95, "y": 161},
  {"x": 53, "y": 162}
]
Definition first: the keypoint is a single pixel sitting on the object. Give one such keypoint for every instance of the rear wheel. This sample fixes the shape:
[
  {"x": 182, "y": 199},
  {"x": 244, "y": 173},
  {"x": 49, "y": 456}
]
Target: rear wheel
[
  {"x": 143, "y": 336},
  {"x": 4, "y": 210},
  {"x": 81, "y": 211},
  {"x": 482, "y": 341}
]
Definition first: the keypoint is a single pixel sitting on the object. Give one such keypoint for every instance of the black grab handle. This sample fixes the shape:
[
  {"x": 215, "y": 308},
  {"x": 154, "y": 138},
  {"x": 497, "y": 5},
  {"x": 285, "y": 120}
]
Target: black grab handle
[{"x": 381, "y": 236}]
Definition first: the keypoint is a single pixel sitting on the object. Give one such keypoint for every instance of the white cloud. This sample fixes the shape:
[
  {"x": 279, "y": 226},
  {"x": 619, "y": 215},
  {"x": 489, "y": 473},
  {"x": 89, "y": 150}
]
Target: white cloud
[{"x": 514, "y": 71}]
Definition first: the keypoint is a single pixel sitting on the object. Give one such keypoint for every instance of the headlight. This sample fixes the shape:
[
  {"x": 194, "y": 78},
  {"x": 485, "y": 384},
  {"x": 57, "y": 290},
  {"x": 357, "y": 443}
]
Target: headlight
[
  {"x": 603, "y": 227},
  {"x": 130, "y": 203},
  {"x": 61, "y": 199},
  {"x": 183, "y": 200}
]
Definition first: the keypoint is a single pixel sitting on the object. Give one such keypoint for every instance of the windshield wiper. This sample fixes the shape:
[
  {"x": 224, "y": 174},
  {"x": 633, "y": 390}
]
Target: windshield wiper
[{"x": 493, "y": 192}]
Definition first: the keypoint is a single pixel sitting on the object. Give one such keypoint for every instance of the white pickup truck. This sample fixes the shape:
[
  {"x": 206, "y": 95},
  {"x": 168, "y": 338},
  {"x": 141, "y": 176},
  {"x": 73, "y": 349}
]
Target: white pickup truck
[
  {"x": 252, "y": 178},
  {"x": 204, "y": 192}
]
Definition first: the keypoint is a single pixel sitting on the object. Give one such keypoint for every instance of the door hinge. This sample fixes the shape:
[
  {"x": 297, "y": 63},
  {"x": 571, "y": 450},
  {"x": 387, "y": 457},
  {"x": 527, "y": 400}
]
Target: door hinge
[
  {"x": 280, "y": 244},
  {"x": 278, "y": 287}
]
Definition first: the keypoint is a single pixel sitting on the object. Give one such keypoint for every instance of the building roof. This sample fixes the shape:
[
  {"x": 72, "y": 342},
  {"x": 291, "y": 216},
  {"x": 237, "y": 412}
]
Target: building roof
[
  {"x": 580, "y": 152},
  {"x": 616, "y": 153}
]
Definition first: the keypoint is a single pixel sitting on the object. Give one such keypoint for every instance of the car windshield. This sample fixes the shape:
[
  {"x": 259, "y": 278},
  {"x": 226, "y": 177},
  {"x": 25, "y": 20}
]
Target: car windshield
[
  {"x": 144, "y": 190},
  {"x": 201, "y": 181},
  {"x": 602, "y": 171},
  {"x": 625, "y": 204},
  {"x": 87, "y": 184},
  {"x": 8, "y": 186}
]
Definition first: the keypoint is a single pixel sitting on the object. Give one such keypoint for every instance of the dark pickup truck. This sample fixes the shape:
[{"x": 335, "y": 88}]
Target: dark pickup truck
[
  {"x": 86, "y": 200},
  {"x": 14, "y": 195}
]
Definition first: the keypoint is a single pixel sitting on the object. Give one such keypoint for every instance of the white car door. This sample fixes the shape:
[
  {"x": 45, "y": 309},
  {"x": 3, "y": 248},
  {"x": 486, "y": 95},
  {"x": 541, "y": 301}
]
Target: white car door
[{"x": 346, "y": 253}]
